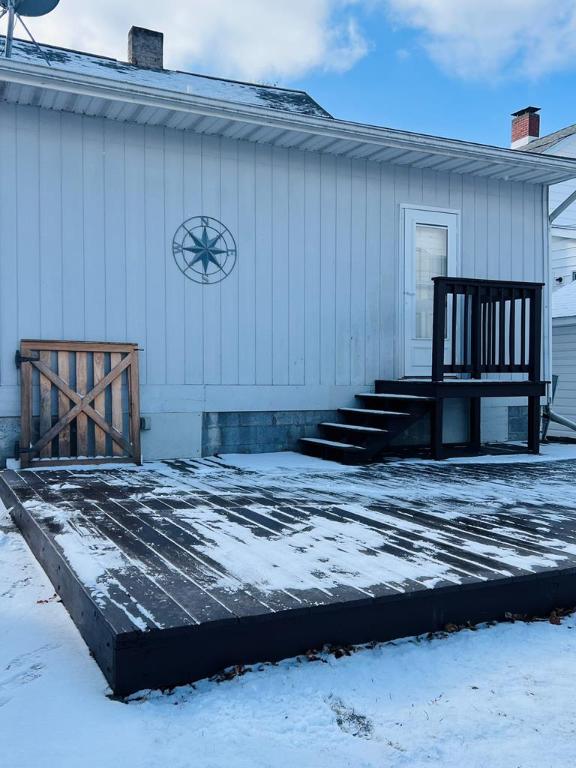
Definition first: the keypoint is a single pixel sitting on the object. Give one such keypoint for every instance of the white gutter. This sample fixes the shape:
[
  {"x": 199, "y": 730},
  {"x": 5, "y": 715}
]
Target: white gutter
[{"x": 18, "y": 73}]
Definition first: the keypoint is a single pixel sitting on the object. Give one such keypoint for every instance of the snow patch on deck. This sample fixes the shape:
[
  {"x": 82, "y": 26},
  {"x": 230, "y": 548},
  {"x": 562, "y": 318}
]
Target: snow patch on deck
[
  {"x": 94, "y": 559},
  {"x": 317, "y": 554},
  {"x": 259, "y": 462},
  {"x": 286, "y": 522}
]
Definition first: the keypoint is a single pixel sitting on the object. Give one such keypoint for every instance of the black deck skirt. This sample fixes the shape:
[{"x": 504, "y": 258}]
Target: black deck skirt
[{"x": 174, "y": 657}]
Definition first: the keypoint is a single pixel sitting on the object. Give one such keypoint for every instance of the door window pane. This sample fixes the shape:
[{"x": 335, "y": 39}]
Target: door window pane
[{"x": 431, "y": 261}]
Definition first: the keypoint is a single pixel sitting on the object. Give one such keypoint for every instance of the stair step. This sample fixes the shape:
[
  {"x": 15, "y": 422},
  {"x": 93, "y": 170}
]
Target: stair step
[
  {"x": 332, "y": 450},
  {"x": 366, "y": 433},
  {"x": 396, "y": 396},
  {"x": 355, "y": 427},
  {"x": 385, "y": 396},
  {"x": 331, "y": 444},
  {"x": 371, "y": 411}
]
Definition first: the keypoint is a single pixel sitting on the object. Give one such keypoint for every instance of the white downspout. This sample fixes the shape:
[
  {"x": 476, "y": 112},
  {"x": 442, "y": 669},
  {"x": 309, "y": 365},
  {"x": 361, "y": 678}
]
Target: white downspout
[{"x": 547, "y": 324}]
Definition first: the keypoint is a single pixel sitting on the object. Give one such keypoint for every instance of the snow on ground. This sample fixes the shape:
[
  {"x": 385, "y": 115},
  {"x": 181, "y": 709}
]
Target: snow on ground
[
  {"x": 289, "y": 460},
  {"x": 499, "y": 697},
  {"x": 281, "y": 460}
]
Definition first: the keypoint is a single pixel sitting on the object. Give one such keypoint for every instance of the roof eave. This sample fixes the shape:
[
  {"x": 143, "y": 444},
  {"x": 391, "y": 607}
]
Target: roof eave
[{"x": 91, "y": 95}]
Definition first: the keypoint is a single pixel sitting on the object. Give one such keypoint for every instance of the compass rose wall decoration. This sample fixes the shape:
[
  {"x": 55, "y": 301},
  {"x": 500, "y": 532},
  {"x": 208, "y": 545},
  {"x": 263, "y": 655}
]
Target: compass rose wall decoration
[{"x": 204, "y": 250}]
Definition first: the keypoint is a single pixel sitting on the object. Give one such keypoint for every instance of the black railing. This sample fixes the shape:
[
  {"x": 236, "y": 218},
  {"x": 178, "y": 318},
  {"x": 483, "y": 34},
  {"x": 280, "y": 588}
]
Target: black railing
[{"x": 486, "y": 326}]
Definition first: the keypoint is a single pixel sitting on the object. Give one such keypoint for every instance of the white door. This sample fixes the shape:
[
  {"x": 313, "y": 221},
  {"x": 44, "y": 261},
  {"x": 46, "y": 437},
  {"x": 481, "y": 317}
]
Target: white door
[{"x": 431, "y": 245}]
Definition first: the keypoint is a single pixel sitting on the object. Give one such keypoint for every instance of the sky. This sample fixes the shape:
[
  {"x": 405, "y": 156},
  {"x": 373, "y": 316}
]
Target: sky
[{"x": 454, "y": 68}]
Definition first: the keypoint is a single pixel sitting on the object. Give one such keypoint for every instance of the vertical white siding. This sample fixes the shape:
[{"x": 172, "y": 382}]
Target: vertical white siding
[
  {"x": 312, "y": 275},
  {"x": 563, "y": 260},
  {"x": 9, "y": 271},
  {"x": 247, "y": 267},
  {"x": 135, "y": 242},
  {"x": 327, "y": 286},
  {"x": 174, "y": 214},
  {"x": 563, "y": 247},
  {"x": 88, "y": 209},
  {"x": 564, "y": 366},
  {"x": 114, "y": 230},
  {"x": 192, "y": 317},
  {"x": 264, "y": 272}
]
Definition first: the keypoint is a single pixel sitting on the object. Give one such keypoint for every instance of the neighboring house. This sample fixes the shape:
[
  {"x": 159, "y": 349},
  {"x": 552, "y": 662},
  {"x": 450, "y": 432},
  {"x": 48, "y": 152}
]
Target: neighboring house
[
  {"x": 562, "y": 209},
  {"x": 526, "y": 136},
  {"x": 564, "y": 357},
  {"x": 270, "y": 261}
]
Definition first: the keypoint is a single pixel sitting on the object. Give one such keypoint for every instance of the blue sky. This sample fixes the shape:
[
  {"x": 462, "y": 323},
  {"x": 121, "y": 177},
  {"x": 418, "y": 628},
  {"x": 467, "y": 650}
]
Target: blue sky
[
  {"x": 396, "y": 84},
  {"x": 455, "y": 68},
  {"x": 414, "y": 94}
]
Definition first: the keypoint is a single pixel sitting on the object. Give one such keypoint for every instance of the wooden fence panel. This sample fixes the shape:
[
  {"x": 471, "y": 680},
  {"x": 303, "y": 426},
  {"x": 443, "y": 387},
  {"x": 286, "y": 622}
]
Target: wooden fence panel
[
  {"x": 116, "y": 385},
  {"x": 63, "y": 403},
  {"x": 45, "y": 403},
  {"x": 99, "y": 405},
  {"x": 79, "y": 402},
  {"x": 81, "y": 388}
]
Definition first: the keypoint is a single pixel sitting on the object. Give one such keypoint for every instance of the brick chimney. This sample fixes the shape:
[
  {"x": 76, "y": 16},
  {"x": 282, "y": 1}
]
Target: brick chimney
[
  {"x": 146, "y": 48},
  {"x": 525, "y": 126}
]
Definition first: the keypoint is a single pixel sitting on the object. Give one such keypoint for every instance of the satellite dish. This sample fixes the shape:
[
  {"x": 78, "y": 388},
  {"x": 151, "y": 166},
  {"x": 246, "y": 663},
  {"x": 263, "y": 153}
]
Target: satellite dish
[
  {"x": 15, "y": 9},
  {"x": 34, "y": 7}
]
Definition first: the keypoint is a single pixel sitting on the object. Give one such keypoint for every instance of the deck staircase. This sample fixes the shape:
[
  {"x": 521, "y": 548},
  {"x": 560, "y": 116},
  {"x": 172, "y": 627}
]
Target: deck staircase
[
  {"x": 486, "y": 342},
  {"x": 365, "y": 433}
]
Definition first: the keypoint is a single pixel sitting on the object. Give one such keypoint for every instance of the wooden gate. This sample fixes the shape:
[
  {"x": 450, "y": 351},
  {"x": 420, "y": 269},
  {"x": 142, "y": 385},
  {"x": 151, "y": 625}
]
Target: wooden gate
[{"x": 79, "y": 402}]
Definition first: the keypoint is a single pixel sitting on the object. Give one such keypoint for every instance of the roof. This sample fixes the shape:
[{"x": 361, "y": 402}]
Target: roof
[
  {"x": 564, "y": 301},
  {"x": 270, "y": 97},
  {"x": 96, "y": 87},
  {"x": 544, "y": 143}
]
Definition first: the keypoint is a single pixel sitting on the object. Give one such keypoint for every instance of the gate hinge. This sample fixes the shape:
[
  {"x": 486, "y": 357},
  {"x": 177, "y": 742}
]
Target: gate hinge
[{"x": 19, "y": 358}]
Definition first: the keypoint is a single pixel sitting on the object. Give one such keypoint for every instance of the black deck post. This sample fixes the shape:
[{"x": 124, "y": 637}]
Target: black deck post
[
  {"x": 535, "y": 343},
  {"x": 535, "y": 357},
  {"x": 475, "y": 437},
  {"x": 437, "y": 429},
  {"x": 534, "y": 424},
  {"x": 438, "y": 335},
  {"x": 438, "y": 329},
  {"x": 476, "y": 334}
]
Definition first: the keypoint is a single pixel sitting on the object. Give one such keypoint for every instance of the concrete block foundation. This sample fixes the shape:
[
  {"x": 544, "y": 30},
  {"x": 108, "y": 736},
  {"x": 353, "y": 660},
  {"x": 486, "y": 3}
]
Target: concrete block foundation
[{"x": 259, "y": 431}]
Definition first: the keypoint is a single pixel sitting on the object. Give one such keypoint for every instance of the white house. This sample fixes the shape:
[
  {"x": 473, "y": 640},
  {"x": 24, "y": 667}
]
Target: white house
[
  {"x": 269, "y": 260},
  {"x": 526, "y": 136},
  {"x": 564, "y": 357},
  {"x": 562, "y": 209}
]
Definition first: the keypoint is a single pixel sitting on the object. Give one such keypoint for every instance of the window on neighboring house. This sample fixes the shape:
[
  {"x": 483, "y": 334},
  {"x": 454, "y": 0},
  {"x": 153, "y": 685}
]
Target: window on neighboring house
[{"x": 573, "y": 276}]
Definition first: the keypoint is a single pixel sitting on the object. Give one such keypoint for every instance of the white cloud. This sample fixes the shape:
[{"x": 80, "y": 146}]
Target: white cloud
[
  {"x": 252, "y": 39},
  {"x": 278, "y": 40},
  {"x": 493, "y": 38}
]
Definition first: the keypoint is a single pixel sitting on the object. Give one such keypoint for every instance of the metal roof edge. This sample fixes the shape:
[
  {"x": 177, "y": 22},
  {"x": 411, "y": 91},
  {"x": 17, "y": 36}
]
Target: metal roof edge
[{"x": 88, "y": 85}]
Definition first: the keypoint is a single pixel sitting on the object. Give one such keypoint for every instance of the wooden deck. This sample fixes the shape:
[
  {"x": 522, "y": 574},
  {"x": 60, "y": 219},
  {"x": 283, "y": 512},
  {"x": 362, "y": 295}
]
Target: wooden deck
[{"x": 174, "y": 571}]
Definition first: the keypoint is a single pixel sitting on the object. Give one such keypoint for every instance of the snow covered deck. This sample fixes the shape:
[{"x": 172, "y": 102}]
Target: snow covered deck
[{"x": 176, "y": 570}]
